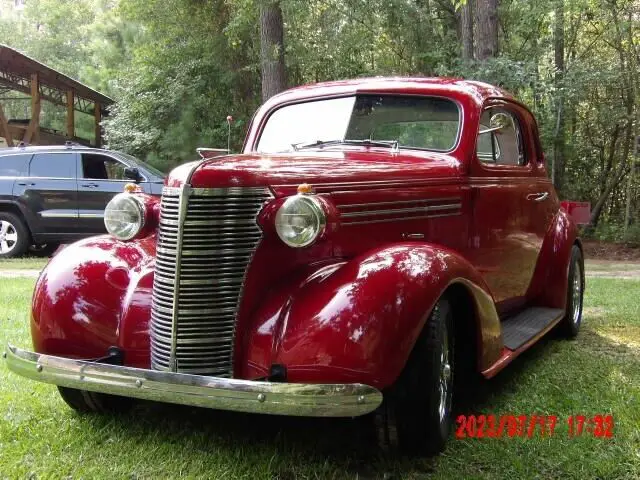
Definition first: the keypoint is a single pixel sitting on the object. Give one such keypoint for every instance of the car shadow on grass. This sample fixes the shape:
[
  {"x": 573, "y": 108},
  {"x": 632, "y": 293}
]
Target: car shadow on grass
[{"x": 349, "y": 446}]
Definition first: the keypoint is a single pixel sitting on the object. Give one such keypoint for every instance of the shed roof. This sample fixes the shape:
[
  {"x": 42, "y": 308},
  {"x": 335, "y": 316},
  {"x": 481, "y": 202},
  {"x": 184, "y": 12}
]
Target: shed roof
[{"x": 16, "y": 69}]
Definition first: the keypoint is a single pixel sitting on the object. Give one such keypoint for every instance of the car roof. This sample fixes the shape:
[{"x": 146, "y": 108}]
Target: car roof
[
  {"x": 52, "y": 148},
  {"x": 446, "y": 86}
]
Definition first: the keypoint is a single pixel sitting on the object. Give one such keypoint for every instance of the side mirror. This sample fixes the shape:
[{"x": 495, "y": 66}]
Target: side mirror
[
  {"x": 497, "y": 122},
  {"x": 132, "y": 173}
]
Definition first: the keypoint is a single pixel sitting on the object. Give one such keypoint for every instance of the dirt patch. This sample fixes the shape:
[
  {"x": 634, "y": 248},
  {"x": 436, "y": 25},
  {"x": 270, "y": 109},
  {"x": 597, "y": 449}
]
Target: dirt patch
[
  {"x": 623, "y": 274},
  {"x": 594, "y": 249}
]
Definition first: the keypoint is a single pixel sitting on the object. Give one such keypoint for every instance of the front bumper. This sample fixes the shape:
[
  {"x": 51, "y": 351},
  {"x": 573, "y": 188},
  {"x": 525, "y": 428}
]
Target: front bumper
[{"x": 300, "y": 399}]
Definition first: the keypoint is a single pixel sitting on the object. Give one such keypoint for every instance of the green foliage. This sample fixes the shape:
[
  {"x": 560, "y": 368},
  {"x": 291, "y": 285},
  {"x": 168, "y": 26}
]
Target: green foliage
[
  {"x": 177, "y": 68},
  {"x": 615, "y": 232}
]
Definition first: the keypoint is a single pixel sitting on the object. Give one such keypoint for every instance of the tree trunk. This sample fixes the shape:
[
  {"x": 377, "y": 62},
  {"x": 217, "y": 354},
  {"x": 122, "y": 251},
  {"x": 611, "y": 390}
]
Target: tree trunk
[
  {"x": 466, "y": 29},
  {"x": 615, "y": 182},
  {"x": 557, "y": 173},
  {"x": 272, "y": 48},
  {"x": 486, "y": 13}
]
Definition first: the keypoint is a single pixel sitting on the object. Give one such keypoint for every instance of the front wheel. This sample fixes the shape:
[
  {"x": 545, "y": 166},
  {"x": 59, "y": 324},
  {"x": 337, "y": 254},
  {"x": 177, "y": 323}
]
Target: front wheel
[
  {"x": 83, "y": 401},
  {"x": 419, "y": 405}
]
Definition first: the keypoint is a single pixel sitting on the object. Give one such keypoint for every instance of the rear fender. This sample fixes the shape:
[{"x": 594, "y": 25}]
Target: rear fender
[
  {"x": 549, "y": 285},
  {"x": 359, "y": 320}
]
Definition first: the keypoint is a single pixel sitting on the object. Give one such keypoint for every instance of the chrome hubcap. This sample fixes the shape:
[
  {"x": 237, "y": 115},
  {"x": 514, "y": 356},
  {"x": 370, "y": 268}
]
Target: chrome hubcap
[
  {"x": 8, "y": 237},
  {"x": 445, "y": 378},
  {"x": 577, "y": 293}
]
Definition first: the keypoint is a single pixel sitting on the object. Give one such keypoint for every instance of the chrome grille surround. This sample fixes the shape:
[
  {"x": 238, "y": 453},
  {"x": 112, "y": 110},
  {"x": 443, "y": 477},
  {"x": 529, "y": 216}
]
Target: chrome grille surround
[{"x": 206, "y": 238}]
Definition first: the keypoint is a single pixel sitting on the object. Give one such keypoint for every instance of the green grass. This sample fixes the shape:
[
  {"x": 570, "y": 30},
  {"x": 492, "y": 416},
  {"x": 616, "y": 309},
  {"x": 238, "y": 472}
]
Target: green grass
[
  {"x": 598, "y": 373},
  {"x": 24, "y": 263}
]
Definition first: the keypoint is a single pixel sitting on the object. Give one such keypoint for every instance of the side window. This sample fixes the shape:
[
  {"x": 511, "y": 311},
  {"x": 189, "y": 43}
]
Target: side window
[
  {"x": 53, "y": 165},
  {"x": 500, "y": 138},
  {"x": 14, "y": 165},
  {"x": 101, "y": 167}
]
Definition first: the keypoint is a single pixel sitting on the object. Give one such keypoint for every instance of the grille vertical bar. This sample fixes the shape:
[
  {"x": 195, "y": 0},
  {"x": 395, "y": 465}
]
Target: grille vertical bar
[{"x": 206, "y": 239}]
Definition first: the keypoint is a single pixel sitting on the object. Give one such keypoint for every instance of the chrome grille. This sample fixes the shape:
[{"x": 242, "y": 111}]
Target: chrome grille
[{"x": 206, "y": 239}]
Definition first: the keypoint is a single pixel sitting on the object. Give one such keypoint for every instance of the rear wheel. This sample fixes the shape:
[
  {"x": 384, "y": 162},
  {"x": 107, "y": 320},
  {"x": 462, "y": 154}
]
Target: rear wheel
[
  {"x": 417, "y": 411},
  {"x": 89, "y": 402},
  {"x": 14, "y": 236},
  {"x": 570, "y": 324}
]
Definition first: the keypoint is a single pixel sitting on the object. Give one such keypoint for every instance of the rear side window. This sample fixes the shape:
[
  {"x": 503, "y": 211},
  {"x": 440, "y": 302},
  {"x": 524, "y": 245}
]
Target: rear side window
[
  {"x": 500, "y": 138},
  {"x": 53, "y": 165},
  {"x": 14, "y": 165}
]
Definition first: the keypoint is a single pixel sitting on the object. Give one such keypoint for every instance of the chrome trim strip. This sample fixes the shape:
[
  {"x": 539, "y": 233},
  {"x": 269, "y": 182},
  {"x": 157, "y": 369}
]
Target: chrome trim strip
[
  {"x": 58, "y": 214},
  {"x": 397, "y": 219},
  {"x": 376, "y": 184},
  {"x": 399, "y": 202},
  {"x": 426, "y": 208},
  {"x": 185, "y": 190},
  {"x": 217, "y": 192},
  {"x": 92, "y": 214},
  {"x": 298, "y": 399}
]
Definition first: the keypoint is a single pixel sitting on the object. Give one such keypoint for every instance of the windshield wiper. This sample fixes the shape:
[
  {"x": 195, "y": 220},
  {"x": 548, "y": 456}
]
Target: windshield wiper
[{"x": 364, "y": 142}]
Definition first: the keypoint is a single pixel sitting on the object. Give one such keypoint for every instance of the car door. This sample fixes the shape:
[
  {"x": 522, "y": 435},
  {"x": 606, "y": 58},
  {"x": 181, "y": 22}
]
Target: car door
[
  {"x": 506, "y": 237},
  {"x": 100, "y": 178},
  {"x": 49, "y": 190}
]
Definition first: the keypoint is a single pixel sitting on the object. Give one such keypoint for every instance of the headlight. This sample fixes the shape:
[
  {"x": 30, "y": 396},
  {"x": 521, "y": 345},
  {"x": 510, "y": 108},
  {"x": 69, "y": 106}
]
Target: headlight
[
  {"x": 300, "y": 220},
  {"x": 124, "y": 216}
]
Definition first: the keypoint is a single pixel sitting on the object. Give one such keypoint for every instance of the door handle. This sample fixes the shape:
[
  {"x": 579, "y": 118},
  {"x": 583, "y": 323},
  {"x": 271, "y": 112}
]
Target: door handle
[
  {"x": 538, "y": 197},
  {"x": 90, "y": 185},
  {"x": 24, "y": 184}
]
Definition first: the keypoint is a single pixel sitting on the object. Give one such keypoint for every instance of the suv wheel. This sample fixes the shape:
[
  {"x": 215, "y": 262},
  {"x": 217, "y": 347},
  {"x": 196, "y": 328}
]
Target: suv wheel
[{"x": 14, "y": 236}]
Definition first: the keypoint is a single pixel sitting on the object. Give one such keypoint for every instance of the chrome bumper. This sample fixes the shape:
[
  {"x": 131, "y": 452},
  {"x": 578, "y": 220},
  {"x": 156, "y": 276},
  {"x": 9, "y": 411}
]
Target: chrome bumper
[{"x": 300, "y": 399}]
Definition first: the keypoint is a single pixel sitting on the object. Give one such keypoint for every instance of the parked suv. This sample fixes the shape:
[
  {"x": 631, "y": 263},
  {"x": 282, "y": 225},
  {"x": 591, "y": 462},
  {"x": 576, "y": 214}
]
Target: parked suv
[{"x": 55, "y": 194}]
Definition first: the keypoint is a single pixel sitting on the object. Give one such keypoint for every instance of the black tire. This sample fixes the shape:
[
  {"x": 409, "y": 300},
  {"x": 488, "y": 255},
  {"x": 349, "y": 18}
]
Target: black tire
[
  {"x": 416, "y": 414},
  {"x": 570, "y": 324},
  {"x": 83, "y": 401},
  {"x": 14, "y": 236},
  {"x": 44, "y": 249}
]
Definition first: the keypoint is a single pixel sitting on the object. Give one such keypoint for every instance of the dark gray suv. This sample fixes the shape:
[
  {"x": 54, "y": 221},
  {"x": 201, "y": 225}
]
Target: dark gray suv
[{"x": 50, "y": 195}]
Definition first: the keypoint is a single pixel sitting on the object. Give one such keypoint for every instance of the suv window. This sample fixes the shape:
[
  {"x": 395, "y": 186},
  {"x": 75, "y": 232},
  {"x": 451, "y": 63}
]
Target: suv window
[
  {"x": 101, "y": 167},
  {"x": 53, "y": 165},
  {"x": 500, "y": 138},
  {"x": 14, "y": 165}
]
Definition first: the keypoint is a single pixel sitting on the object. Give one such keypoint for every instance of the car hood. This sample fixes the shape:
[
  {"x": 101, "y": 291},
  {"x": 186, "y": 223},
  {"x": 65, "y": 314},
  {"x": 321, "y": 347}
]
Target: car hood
[{"x": 316, "y": 168}]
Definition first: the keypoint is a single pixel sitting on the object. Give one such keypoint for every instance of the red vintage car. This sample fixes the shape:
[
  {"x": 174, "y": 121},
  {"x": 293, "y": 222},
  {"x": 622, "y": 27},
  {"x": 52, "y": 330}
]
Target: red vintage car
[{"x": 376, "y": 240}]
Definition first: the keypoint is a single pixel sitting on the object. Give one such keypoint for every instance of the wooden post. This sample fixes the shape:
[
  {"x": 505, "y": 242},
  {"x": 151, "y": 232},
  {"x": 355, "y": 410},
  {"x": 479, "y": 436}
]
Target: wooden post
[
  {"x": 71, "y": 129},
  {"x": 4, "y": 128},
  {"x": 33, "y": 129},
  {"x": 98, "y": 117}
]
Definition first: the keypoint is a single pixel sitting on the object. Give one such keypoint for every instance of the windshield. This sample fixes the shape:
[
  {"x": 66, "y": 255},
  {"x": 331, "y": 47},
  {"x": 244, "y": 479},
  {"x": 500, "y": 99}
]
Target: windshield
[
  {"x": 425, "y": 123},
  {"x": 140, "y": 163}
]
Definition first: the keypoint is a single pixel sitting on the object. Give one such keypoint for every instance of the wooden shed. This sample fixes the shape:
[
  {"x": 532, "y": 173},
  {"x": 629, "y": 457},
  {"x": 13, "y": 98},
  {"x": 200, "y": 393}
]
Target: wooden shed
[{"x": 20, "y": 73}]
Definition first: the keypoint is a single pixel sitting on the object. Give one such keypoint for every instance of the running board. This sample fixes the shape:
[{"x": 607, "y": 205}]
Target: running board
[{"x": 519, "y": 329}]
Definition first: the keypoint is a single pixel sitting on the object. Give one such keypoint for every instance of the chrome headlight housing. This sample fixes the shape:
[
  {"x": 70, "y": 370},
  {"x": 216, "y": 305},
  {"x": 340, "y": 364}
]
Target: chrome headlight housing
[
  {"x": 124, "y": 216},
  {"x": 300, "y": 220}
]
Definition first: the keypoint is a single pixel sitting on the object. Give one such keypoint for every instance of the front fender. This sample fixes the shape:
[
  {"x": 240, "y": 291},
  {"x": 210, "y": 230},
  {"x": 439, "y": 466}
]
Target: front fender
[
  {"x": 95, "y": 294},
  {"x": 358, "y": 320}
]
